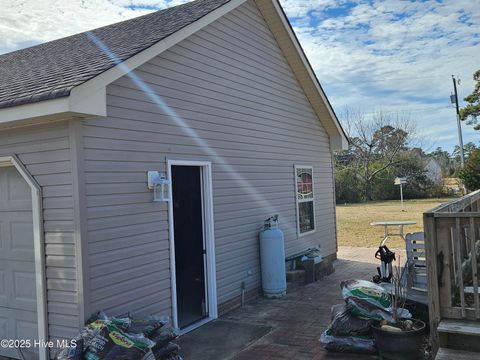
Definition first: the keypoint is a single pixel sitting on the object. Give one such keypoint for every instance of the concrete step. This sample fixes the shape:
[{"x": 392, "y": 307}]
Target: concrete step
[
  {"x": 459, "y": 327},
  {"x": 450, "y": 354}
]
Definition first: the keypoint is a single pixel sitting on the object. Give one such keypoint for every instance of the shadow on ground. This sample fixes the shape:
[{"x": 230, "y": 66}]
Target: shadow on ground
[
  {"x": 220, "y": 339},
  {"x": 296, "y": 322}
]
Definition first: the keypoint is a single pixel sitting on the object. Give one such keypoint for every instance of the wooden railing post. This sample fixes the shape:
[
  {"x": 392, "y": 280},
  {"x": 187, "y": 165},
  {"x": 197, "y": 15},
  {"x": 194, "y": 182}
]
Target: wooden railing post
[
  {"x": 457, "y": 252},
  {"x": 473, "y": 247},
  {"x": 432, "y": 271},
  {"x": 451, "y": 234}
]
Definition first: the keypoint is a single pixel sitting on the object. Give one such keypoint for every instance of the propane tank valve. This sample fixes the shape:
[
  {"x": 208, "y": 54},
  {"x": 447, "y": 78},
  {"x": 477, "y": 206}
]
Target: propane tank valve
[{"x": 271, "y": 222}]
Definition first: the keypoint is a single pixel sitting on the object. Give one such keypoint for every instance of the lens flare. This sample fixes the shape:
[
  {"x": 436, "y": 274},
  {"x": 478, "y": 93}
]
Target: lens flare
[{"x": 217, "y": 159}]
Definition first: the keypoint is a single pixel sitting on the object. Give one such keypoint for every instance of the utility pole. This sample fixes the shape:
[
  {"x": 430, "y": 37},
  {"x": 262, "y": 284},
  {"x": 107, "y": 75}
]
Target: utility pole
[{"x": 459, "y": 122}]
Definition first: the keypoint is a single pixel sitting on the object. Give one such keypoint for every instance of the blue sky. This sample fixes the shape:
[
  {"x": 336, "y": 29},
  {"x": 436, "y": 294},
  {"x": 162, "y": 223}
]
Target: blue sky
[{"x": 395, "y": 56}]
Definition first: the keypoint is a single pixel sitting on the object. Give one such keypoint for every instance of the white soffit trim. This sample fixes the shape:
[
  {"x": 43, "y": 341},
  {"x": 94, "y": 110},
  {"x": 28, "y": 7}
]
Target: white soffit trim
[
  {"x": 89, "y": 99},
  {"x": 93, "y": 104},
  {"x": 280, "y": 26},
  {"x": 36, "y": 110}
]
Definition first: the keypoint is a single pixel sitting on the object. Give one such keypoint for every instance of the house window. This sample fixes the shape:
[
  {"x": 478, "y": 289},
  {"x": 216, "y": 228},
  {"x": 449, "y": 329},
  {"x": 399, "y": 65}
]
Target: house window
[{"x": 305, "y": 199}]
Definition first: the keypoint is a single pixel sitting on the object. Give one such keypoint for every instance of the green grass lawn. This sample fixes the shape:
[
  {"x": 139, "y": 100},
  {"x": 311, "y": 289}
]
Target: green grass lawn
[{"x": 353, "y": 221}]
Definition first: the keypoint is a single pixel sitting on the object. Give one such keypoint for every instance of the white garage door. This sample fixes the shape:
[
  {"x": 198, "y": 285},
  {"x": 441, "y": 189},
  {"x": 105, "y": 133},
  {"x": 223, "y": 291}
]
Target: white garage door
[{"x": 18, "y": 304}]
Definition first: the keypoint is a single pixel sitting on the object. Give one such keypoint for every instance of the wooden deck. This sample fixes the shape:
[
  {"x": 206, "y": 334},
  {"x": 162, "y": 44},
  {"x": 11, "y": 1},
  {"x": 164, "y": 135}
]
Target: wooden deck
[
  {"x": 452, "y": 241},
  {"x": 449, "y": 354}
]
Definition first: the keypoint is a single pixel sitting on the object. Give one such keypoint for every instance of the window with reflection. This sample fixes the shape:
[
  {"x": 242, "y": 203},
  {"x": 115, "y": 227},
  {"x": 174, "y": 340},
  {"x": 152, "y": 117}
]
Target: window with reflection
[{"x": 305, "y": 199}]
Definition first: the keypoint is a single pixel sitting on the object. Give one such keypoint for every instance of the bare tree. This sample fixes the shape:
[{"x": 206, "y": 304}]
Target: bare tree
[{"x": 376, "y": 143}]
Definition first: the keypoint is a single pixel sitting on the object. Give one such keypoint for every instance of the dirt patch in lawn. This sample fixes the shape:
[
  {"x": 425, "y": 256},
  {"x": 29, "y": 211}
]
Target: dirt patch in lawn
[{"x": 353, "y": 221}]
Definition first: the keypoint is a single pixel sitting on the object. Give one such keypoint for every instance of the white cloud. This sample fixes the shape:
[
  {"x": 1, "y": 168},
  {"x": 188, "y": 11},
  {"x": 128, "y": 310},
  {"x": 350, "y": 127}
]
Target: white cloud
[
  {"x": 395, "y": 55},
  {"x": 299, "y": 8},
  {"x": 27, "y": 22}
]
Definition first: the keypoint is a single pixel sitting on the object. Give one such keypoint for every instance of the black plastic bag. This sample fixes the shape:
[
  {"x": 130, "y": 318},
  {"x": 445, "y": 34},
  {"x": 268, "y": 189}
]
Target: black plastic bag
[
  {"x": 147, "y": 327},
  {"x": 344, "y": 323},
  {"x": 348, "y": 344}
]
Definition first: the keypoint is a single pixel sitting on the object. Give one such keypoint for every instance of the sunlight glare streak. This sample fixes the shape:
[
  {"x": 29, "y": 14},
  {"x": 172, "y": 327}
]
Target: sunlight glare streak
[{"x": 217, "y": 159}]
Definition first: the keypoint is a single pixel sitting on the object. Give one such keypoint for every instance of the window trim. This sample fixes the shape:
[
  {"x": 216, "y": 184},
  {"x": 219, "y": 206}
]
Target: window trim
[{"x": 297, "y": 201}]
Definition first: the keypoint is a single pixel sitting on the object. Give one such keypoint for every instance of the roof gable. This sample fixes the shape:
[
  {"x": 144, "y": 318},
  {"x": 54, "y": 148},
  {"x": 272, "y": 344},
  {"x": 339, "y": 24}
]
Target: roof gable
[
  {"x": 50, "y": 70},
  {"x": 80, "y": 90}
]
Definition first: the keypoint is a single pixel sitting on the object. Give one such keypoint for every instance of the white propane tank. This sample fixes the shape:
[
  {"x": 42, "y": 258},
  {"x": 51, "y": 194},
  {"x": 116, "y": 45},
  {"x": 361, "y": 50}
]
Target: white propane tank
[{"x": 272, "y": 257}]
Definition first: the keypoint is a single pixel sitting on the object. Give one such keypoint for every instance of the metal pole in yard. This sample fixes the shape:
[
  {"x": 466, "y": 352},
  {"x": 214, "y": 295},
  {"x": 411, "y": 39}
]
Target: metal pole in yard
[
  {"x": 459, "y": 123},
  {"x": 401, "y": 195}
]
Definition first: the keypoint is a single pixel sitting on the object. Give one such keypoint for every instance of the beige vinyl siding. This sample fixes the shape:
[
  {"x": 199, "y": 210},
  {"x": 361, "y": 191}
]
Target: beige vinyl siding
[
  {"x": 226, "y": 94},
  {"x": 45, "y": 152}
]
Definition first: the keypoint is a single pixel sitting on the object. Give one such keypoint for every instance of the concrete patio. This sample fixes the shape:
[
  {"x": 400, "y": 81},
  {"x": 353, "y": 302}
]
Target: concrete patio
[{"x": 297, "y": 320}]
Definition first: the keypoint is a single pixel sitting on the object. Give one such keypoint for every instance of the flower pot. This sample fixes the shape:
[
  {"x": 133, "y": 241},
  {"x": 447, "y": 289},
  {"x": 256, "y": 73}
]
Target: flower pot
[{"x": 404, "y": 345}]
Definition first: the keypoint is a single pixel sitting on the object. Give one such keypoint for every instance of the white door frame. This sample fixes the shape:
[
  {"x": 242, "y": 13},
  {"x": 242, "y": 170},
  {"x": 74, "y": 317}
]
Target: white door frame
[
  {"x": 39, "y": 245},
  {"x": 209, "y": 239}
]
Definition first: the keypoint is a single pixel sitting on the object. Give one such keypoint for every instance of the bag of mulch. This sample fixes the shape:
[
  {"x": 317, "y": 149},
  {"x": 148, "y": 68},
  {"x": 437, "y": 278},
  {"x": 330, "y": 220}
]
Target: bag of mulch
[
  {"x": 110, "y": 343},
  {"x": 348, "y": 344},
  {"x": 72, "y": 353},
  {"x": 82, "y": 340},
  {"x": 366, "y": 290},
  {"x": 98, "y": 319},
  {"x": 369, "y": 301},
  {"x": 163, "y": 337},
  {"x": 344, "y": 323},
  {"x": 147, "y": 327},
  {"x": 363, "y": 309}
]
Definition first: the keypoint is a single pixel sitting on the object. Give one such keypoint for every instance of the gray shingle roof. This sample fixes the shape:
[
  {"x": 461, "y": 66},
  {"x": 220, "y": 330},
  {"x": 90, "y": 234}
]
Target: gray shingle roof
[{"x": 50, "y": 70}]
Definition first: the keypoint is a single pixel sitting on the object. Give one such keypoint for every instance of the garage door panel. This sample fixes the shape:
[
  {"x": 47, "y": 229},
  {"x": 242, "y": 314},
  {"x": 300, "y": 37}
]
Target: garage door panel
[
  {"x": 7, "y": 326},
  {"x": 18, "y": 284},
  {"x": 24, "y": 291},
  {"x": 21, "y": 235},
  {"x": 19, "y": 256},
  {"x": 6, "y": 283},
  {"x": 17, "y": 189},
  {"x": 16, "y": 236},
  {"x": 18, "y": 302},
  {"x": 3, "y": 288},
  {"x": 18, "y": 325},
  {"x": 26, "y": 330},
  {"x": 3, "y": 234},
  {"x": 4, "y": 328}
]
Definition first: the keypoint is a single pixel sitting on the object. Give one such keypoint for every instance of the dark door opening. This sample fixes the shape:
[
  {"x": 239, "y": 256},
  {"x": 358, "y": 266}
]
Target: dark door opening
[{"x": 189, "y": 244}]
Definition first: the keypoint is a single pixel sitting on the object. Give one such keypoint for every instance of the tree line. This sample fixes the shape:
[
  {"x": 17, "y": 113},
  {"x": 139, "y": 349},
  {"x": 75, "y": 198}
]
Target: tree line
[{"x": 387, "y": 146}]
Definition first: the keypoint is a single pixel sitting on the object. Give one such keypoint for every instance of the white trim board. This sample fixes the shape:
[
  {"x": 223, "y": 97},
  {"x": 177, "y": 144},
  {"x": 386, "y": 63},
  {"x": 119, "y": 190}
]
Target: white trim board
[
  {"x": 79, "y": 210},
  {"x": 209, "y": 234},
  {"x": 297, "y": 202},
  {"x": 39, "y": 245}
]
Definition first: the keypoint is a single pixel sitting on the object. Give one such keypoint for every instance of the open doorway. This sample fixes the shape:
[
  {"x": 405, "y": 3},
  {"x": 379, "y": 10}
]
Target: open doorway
[{"x": 193, "y": 266}]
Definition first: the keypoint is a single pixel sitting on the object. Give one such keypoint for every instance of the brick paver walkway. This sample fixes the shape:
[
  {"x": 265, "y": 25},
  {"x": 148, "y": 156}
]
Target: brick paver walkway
[{"x": 300, "y": 317}]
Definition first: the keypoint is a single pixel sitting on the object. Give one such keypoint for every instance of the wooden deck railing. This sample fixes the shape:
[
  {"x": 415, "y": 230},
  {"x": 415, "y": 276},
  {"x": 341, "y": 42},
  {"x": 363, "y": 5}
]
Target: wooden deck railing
[{"x": 452, "y": 243}]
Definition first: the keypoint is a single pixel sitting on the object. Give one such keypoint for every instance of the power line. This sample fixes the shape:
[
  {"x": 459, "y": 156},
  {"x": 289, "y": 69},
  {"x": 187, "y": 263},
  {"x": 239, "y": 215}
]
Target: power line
[
  {"x": 408, "y": 110},
  {"x": 387, "y": 80}
]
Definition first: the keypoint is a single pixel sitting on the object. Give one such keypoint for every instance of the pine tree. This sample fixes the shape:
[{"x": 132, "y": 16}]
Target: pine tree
[
  {"x": 470, "y": 174},
  {"x": 472, "y": 110}
]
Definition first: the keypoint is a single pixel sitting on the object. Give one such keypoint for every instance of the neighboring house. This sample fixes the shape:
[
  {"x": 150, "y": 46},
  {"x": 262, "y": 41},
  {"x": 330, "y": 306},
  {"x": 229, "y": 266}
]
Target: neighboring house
[
  {"x": 453, "y": 186},
  {"x": 215, "y": 94},
  {"x": 433, "y": 171}
]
